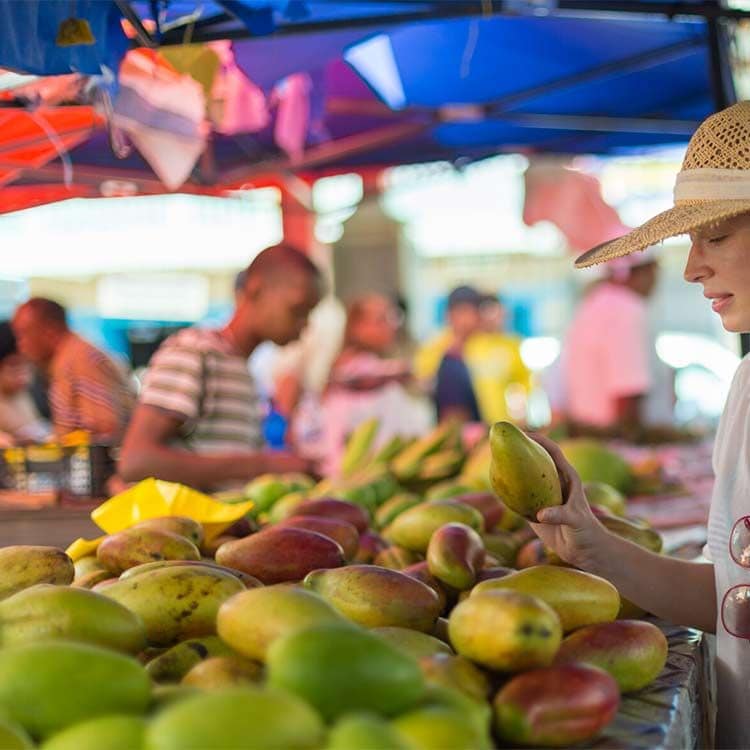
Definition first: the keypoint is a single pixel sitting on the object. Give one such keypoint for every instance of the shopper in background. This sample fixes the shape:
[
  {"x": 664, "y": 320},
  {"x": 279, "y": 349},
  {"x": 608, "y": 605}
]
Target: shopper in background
[
  {"x": 198, "y": 420},
  {"x": 501, "y": 379},
  {"x": 20, "y": 422},
  {"x": 609, "y": 359},
  {"x": 366, "y": 382},
  {"x": 87, "y": 390}
]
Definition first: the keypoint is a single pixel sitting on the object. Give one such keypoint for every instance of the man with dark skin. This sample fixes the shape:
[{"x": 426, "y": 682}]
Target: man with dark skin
[{"x": 198, "y": 418}]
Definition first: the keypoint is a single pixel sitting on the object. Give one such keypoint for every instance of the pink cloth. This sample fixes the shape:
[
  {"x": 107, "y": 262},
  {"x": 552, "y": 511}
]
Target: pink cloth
[
  {"x": 573, "y": 202},
  {"x": 606, "y": 354}
]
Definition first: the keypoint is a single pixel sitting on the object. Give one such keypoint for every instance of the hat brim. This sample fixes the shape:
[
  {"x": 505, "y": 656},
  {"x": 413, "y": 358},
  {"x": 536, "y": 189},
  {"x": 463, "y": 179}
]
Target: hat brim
[{"x": 681, "y": 219}]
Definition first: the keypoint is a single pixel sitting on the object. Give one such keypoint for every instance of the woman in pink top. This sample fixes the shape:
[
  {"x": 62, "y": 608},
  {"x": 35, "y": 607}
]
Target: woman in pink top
[{"x": 712, "y": 205}]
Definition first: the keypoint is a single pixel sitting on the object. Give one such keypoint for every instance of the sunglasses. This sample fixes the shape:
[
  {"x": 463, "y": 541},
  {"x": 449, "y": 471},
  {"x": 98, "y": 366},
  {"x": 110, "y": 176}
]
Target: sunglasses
[{"x": 735, "y": 606}]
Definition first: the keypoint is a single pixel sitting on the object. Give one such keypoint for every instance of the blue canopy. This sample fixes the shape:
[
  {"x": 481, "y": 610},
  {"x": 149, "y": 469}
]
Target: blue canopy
[{"x": 405, "y": 81}]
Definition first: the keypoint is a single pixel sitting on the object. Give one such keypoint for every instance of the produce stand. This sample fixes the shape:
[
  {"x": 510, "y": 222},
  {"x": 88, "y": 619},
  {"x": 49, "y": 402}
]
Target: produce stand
[{"x": 676, "y": 712}]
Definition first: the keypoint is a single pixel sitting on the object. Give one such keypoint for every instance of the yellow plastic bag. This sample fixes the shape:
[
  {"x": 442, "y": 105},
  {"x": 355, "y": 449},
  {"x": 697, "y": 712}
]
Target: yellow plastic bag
[{"x": 153, "y": 498}]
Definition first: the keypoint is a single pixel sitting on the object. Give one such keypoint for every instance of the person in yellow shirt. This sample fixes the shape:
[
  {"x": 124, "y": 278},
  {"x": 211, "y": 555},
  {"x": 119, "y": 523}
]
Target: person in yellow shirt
[{"x": 499, "y": 380}]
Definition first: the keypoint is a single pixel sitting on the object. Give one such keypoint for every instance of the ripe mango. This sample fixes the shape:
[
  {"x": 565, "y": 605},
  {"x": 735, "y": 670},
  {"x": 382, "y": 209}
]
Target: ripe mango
[
  {"x": 396, "y": 558},
  {"x": 441, "y": 728},
  {"x": 605, "y": 496},
  {"x": 634, "y": 532},
  {"x": 487, "y": 504},
  {"x": 413, "y": 642},
  {"x": 578, "y": 598},
  {"x": 334, "y": 528},
  {"x": 385, "y": 514},
  {"x": 180, "y": 525},
  {"x": 534, "y": 553},
  {"x": 522, "y": 473},
  {"x": 370, "y": 545},
  {"x": 86, "y": 565},
  {"x": 505, "y": 630},
  {"x": 47, "y": 612},
  {"x": 373, "y": 596},
  {"x": 25, "y": 565},
  {"x": 421, "y": 572},
  {"x": 457, "y": 673},
  {"x": 13, "y": 736},
  {"x": 132, "y": 547},
  {"x": 414, "y": 528},
  {"x": 103, "y": 733},
  {"x": 223, "y": 671},
  {"x": 338, "y": 668},
  {"x": 502, "y": 545},
  {"x": 455, "y": 555},
  {"x": 46, "y": 687},
  {"x": 281, "y": 554},
  {"x": 364, "y": 731},
  {"x": 91, "y": 579},
  {"x": 556, "y": 707},
  {"x": 174, "y": 663},
  {"x": 633, "y": 651},
  {"x": 238, "y": 717},
  {"x": 330, "y": 507},
  {"x": 252, "y": 620},
  {"x": 595, "y": 463},
  {"x": 285, "y": 507},
  {"x": 176, "y": 603},
  {"x": 248, "y": 580}
]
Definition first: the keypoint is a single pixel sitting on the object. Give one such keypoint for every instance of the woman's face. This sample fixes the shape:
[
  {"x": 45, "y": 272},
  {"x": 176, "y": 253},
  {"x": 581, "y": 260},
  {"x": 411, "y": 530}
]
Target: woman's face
[
  {"x": 377, "y": 325},
  {"x": 15, "y": 374},
  {"x": 719, "y": 260}
]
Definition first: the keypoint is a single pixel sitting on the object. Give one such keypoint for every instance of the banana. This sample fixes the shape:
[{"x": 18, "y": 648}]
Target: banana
[
  {"x": 359, "y": 446},
  {"x": 23, "y": 565}
]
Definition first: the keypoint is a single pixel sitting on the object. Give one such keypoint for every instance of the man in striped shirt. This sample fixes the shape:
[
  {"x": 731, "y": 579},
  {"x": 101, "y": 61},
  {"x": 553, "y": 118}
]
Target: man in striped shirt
[
  {"x": 87, "y": 390},
  {"x": 198, "y": 420}
]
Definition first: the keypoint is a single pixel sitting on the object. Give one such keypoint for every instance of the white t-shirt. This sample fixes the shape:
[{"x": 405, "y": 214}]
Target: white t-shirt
[
  {"x": 606, "y": 354},
  {"x": 730, "y": 501}
]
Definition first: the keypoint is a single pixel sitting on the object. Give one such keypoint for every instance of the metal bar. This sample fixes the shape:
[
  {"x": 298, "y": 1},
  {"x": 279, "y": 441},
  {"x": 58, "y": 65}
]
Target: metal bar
[
  {"x": 597, "y": 123},
  {"x": 332, "y": 151},
  {"x": 628, "y": 64},
  {"x": 141, "y": 32}
]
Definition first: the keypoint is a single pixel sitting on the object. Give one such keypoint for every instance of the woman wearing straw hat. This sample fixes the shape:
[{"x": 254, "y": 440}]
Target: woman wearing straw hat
[{"x": 712, "y": 205}]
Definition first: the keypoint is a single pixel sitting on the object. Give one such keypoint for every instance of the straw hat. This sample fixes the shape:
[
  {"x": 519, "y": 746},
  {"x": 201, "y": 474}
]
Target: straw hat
[{"x": 713, "y": 184}]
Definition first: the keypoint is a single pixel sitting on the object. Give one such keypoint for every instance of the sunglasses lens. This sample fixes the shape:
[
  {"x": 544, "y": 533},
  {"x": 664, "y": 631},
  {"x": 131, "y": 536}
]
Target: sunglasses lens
[
  {"x": 739, "y": 542},
  {"x": 735, "y": 611}
]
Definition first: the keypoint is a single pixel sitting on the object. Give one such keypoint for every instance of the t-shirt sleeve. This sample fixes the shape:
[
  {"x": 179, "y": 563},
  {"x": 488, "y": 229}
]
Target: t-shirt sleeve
[
  {"x": 173, "y": 381},
  {"x": 627, "y": 363}
]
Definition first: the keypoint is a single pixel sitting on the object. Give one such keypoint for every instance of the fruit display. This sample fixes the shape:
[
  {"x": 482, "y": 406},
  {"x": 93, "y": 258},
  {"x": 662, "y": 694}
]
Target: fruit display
[{"x": 389, "y": 607}]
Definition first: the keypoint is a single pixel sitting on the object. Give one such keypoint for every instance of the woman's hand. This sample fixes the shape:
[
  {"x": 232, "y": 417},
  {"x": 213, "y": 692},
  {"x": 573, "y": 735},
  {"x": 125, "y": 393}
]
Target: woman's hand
[{"x": 571, "y": 529}]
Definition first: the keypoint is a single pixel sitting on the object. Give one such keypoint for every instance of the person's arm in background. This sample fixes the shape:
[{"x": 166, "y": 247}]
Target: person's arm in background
[
  {"x": 678, "y": 591},
  {"x": 146, "y": 453}
]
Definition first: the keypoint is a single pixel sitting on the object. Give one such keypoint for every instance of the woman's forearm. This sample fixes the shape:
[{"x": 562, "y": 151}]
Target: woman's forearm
[{"x": 679, "y": 591}]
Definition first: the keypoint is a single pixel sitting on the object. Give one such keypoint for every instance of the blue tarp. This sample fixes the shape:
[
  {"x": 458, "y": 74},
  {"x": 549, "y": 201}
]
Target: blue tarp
[{"x": 471, "y": 85}]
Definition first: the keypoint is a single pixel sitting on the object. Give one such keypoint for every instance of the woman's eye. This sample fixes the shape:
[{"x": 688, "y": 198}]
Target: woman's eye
[{"x": 716, "y": 240}]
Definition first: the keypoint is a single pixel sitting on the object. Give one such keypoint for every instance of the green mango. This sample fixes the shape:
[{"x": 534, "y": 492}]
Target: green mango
[
  {"x": 13, "y": 736},
  {"x": 441, "y": 728},
  {"x": 414, "y": 528},
  {"x": 599, "y": 493},
  {"x": 24, "y": 565},
  {"x": 339, "y": 668},
  {"x": 176, "y": 662},
  {"x": 358, "y": 447},
  {"x": 596, "y": 463},
  {"x": 135, "y": 546},
  {"x": 224, "y": 671},
  {"x": 413, "y": 642},
  {"x": 103, "y": 733},
  {"x": 177, "y": 602},
  {"x": 522, "y": 473},
  {"x": 46, "y": 687},
  {"x": 47, "y": 612},
  {"x": 408, "y": 463},
  {"x": 364, "y": 731},
  {"x": 240, "y": 717}
]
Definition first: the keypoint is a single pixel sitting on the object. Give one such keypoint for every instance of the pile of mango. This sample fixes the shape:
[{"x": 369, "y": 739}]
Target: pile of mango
[{"x": 398, "y": 620}]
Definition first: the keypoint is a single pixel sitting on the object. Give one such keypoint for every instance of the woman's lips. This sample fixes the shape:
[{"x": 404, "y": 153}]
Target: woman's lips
[{"x": 721, "y": 303}]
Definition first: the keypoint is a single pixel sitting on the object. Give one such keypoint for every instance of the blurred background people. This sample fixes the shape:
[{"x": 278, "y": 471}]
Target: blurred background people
[
  {"x": 20, "y": 422},
  {"x": 610, "y": 369},
  {"x": 87, "y": 390},
  {"x": 367, "y": 381},
  {"x": 199, "y": 418}
]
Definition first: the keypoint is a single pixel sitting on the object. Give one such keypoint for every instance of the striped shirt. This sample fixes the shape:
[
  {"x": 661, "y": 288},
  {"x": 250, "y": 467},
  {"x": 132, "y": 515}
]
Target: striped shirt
[
  {"x": 197, "y": 376},
  {"x": 88, "y": 391}
]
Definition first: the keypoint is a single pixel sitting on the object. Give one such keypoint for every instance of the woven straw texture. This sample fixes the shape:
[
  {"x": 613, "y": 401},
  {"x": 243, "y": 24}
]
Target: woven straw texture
[{"x": 721, "y": 142}]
